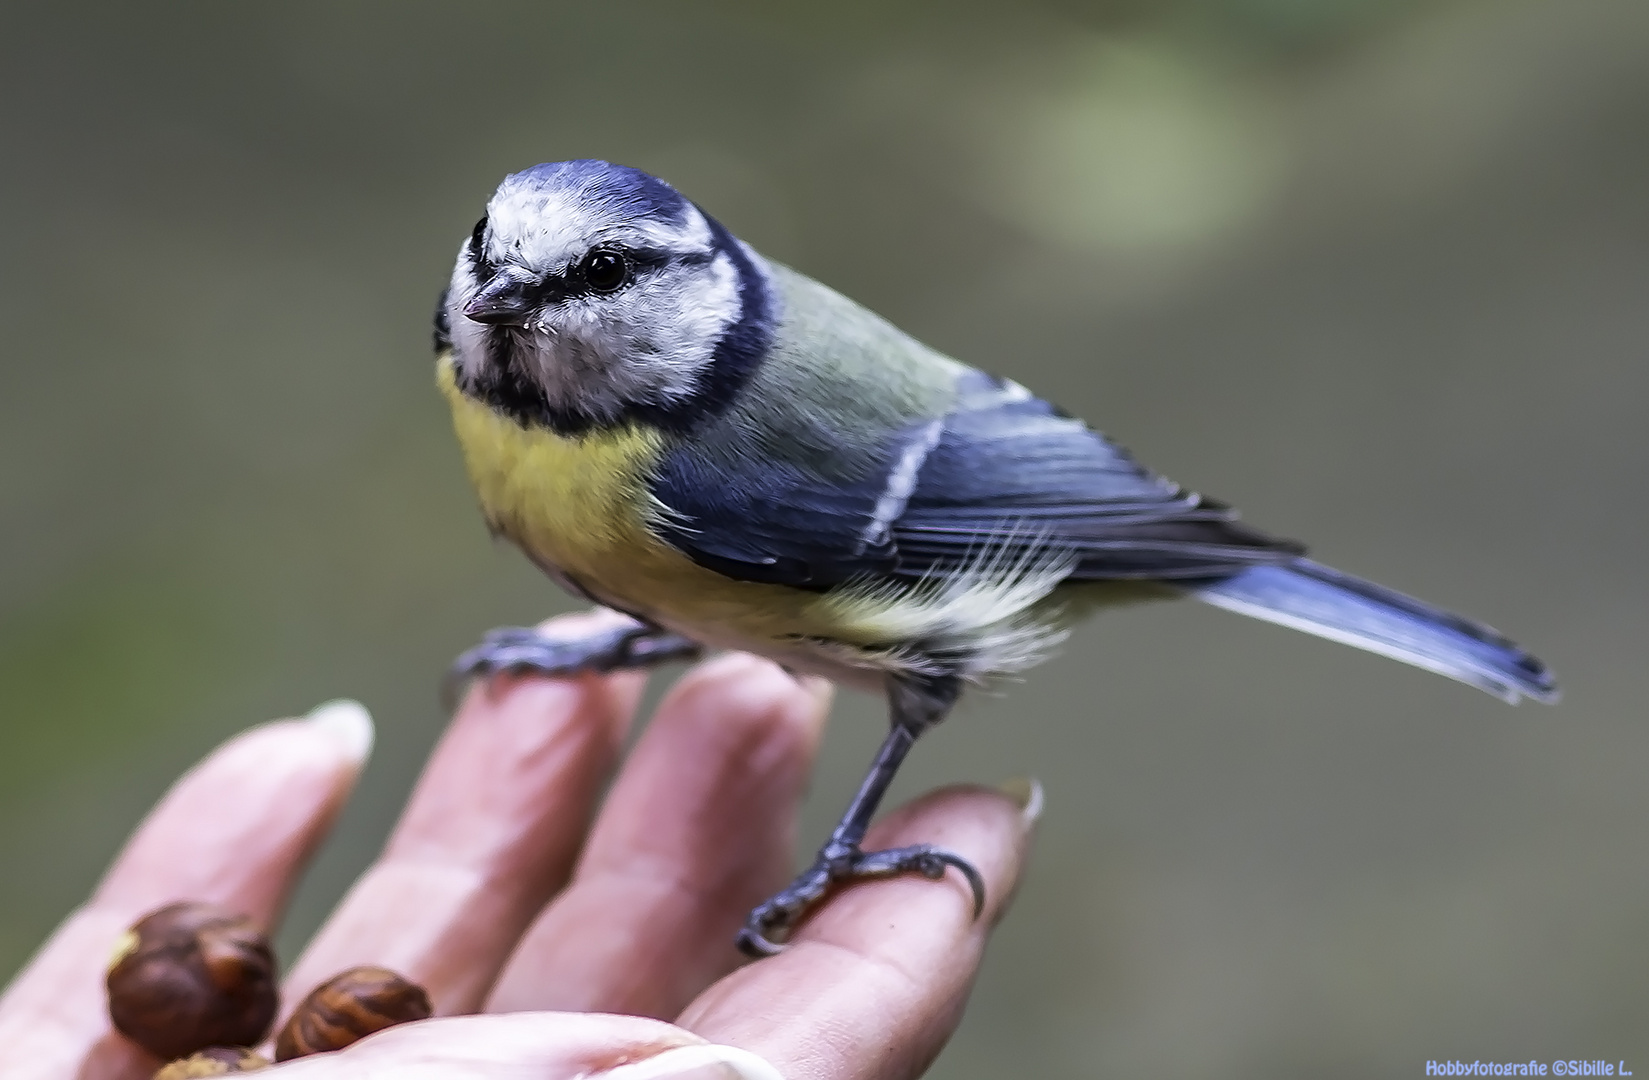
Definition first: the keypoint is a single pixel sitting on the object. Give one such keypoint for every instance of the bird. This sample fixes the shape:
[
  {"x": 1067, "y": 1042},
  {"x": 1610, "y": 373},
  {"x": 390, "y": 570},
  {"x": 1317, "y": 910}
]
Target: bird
[{"x": 732, "y": 455}]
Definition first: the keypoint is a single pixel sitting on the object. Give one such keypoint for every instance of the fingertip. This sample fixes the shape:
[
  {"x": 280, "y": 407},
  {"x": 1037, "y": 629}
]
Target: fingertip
[
  {"x": 328, "y": 745},
  {"x": 578, "y": 624},
  {"x": 617, "y": 694},
  {"x": 525, "y": 697},
  {"x": 348, "y": 724},
  {"x": 739, "y": 667},
  {"x": 990, "y": 828},
  {"x": 739, "y": 685},
  {"x": 247, "y": 816},
  {"x": 822, "y": 690},
  {"x": 750, "y": 710},
  {"x": 307, "y": 764}
]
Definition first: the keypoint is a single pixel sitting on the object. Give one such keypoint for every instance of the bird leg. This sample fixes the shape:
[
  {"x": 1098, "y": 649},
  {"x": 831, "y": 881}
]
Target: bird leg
[
  {"x": 914, "y": 704},
  {"x": 635, "y": 644}
]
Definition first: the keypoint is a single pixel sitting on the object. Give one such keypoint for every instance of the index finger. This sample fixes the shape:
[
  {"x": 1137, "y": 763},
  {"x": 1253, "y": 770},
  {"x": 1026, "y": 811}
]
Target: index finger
[{"x": 235, "y": 831}]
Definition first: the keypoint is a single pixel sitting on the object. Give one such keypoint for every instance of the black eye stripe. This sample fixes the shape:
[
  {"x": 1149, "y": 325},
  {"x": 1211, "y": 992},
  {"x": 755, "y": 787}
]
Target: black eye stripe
[
  {"x": 639, "y": 263},
  {"x": 574, "y": 282},
  {"x": 478, "y": 237}
]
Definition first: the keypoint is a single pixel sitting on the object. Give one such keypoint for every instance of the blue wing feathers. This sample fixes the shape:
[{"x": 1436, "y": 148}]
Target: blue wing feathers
[
  {"x": 1016, "y": 466},
  {"x": 1008, "y": 471},
  {"x": 767, "y": 521}
]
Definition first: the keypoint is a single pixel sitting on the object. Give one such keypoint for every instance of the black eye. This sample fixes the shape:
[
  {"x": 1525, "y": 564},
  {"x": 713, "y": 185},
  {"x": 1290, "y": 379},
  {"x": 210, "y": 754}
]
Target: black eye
[{"x": 604, "y": 271}]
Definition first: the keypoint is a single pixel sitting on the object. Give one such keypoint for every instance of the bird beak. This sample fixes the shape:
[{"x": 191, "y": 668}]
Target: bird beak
[{"x": 505, "y": 300}]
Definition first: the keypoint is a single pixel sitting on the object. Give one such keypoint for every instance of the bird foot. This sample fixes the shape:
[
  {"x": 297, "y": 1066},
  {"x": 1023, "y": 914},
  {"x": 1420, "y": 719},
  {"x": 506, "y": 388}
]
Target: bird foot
[
  {"x": 771, "y": 922},
  {"x": 524, "y": 648}
]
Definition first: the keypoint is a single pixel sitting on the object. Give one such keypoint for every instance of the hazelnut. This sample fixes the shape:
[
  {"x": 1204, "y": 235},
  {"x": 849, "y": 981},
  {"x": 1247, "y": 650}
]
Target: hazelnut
[
  {"x": 349, "y": 1007},
  {"x": 218, "y": 1061},
  {"x": 191, "y": 976}
]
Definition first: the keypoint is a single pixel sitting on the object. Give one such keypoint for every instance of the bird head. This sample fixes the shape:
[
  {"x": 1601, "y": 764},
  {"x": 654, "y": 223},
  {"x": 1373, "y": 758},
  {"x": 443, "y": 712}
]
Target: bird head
[{"x": 592, "y": 293}]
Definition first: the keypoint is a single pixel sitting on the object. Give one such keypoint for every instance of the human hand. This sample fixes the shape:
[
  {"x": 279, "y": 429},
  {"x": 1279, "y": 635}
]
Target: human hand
[{"x": 576, "y": 942}]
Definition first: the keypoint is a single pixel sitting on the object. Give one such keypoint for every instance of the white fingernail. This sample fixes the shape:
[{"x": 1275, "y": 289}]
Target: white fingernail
[
  {"x": 707, "y": 1060},
  {"x": 348, "y": 722},
  {"x": 1027, "y": 792}
]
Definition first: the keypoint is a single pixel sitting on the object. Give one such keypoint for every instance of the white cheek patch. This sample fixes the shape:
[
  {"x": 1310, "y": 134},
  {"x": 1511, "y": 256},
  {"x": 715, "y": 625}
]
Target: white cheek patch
[
  {"x": 468, "y": 336},
  {"x": 649, "y": 343}
]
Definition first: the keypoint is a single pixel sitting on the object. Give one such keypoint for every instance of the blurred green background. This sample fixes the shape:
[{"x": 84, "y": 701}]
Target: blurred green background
[{"x": 1377, "y": 272}]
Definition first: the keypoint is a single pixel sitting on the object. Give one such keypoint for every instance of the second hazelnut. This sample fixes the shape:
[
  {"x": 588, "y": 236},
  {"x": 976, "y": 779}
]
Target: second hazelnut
[{"x": 349, "y": 1007}]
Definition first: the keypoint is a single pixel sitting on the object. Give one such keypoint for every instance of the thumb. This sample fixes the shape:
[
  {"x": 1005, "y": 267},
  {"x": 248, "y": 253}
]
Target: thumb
[{"x": 543, "y": 1045}]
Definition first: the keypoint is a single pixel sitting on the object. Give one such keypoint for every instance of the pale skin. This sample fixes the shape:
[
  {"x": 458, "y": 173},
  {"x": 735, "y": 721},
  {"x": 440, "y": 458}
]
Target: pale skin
[{"x": 559, "y": 935}]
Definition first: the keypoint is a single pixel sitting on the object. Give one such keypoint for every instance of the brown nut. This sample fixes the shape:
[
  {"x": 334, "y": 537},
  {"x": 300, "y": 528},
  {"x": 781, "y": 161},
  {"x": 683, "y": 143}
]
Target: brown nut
[
  {"x": 191, "y": 976},
  {"x": 218, "y": 1061},
  {"x": 349, "y": 1007}
]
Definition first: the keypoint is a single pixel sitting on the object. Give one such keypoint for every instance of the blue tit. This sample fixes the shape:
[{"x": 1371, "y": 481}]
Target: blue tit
[{"x": 735, "y": 456}]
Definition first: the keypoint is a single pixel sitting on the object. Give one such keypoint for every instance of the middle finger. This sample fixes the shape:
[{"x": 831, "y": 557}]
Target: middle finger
[
  {"x": 490, "y": 833},
  {"x": 698, "y": 827}
]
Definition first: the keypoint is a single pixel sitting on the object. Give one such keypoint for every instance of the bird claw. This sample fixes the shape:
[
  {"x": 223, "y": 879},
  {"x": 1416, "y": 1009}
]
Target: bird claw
[
  {"x": 770, "y": 922},
  {"x": 524, "y": 648}
]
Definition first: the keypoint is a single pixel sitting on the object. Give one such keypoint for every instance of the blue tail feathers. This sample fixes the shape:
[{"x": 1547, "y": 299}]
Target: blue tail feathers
[{"x": 1320, "y": 600}]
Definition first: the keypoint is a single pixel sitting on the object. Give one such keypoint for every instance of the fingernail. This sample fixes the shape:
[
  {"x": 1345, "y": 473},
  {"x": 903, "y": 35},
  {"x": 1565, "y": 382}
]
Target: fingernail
[
  {"x": 1027, "y": 792},
  {"x": 348, "y": 722},
  {"x": 708, "y": 1061}
]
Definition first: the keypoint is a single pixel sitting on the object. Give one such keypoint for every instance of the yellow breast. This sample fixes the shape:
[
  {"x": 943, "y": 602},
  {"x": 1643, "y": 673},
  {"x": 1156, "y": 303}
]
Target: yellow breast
[{"x": 582, "y": 507}]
